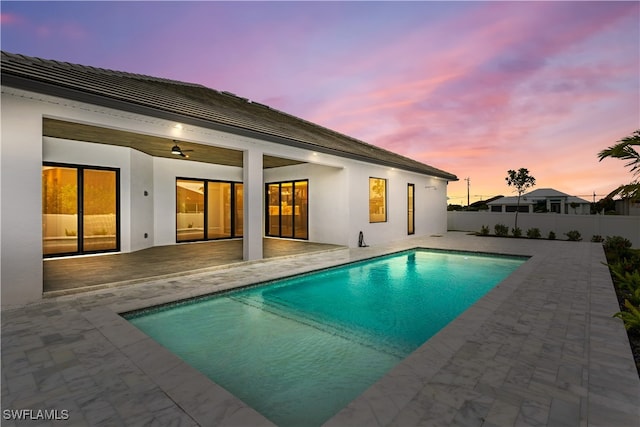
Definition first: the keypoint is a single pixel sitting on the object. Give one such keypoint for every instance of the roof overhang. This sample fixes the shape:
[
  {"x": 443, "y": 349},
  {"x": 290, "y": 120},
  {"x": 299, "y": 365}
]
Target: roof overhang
[{"x": 46, "y": 88}]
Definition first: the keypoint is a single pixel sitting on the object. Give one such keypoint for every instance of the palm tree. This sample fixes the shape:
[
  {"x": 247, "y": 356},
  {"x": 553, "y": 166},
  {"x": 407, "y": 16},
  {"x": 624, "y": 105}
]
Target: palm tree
[
  {"x": 624, "y": 150},
  {"x": 521, "y": 180}
]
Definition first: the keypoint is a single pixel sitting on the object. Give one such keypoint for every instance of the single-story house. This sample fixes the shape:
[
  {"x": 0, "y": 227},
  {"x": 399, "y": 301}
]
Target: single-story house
[
  {"x": 542, "y": 200},
  {"x": 627, "y": 206},
  {"x": 96, "y": 160}
]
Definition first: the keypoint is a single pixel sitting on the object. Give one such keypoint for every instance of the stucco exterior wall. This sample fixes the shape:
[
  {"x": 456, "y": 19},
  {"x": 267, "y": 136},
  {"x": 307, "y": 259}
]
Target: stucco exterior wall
[
  {"x": 338, "y": 187},
  {"x": 21, "y": 189}
]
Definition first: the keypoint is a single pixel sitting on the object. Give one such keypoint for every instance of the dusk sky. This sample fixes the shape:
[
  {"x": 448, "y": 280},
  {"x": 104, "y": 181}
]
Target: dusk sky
[{"x": 474, "y": 88}]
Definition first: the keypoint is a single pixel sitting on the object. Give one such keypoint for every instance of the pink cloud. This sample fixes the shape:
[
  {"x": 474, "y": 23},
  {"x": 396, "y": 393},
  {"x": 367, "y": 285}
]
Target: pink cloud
[{"x": 10, "y": 19}]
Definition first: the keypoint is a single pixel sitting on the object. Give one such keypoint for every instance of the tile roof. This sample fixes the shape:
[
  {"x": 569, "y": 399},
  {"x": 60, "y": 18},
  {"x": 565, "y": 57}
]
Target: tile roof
[
  {"x": 534, "y": 196},
  {"x": 204, "y": 106}
]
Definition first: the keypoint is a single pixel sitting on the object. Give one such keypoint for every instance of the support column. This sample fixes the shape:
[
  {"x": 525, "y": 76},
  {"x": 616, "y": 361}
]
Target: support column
[
  {"x": 253, "y": 212},
  {"x": 21, "y": 200}
]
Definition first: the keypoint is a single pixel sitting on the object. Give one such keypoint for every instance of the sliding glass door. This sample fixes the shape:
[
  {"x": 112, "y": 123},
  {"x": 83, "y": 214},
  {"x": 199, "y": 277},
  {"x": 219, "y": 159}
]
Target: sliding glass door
[
  {"x": 80, "y": 210},
  {"x": 287, "y": 209},
  {"x": 208, "y": 210}
]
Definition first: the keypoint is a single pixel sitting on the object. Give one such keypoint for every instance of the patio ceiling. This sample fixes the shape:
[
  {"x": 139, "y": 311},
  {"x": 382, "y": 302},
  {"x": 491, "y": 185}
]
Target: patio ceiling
[{"x": 153, "y": 145}]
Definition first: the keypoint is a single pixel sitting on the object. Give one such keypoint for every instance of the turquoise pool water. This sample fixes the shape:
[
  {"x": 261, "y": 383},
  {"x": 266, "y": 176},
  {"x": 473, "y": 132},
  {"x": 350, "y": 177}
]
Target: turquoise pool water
[{"x": 300, "y": 349}]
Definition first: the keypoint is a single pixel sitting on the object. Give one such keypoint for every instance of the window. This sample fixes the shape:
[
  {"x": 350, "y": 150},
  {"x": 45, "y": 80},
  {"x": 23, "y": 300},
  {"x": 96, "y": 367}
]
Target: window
[
  {"x": 411, "y": 221},
  {"x": 207, "y": 210},
  {"x": 80, "y": 209},
  {"x": 287, "y": 209},
  {"x": 377, "y": 200}
]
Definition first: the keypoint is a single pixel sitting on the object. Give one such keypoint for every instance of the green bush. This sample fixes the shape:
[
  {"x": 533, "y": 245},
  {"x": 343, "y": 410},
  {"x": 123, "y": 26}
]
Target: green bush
[
  {"x": 484, "y": 230},
  {"x": 617, "y": 246},
  {"x": 552, "y": 235},
  {"x": 596, "y": 238},
  {"x": 631, "y": 318},
  {"x": 534, "y": 233},
  {"x": 501, "y": 230},
  {"x": 517, "y": 232},
  {"x": 573, "y": 235}
]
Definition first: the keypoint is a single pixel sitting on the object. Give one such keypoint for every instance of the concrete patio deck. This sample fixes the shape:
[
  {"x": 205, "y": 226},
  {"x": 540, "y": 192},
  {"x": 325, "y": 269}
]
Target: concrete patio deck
[
  {"x": 70, "y": 275},
  {"x": 539, "y": 349}
]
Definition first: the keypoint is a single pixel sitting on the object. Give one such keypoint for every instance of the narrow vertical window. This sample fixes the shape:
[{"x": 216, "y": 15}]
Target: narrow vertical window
[
  {"x": 189, "y": 210},
  {"x": 219, "y": 212},
  {"x": 411, "y": 221},
  {"x": 377, "y": 200},
  {"x": 99, "y": 213},
  {"x": 301, "y": 219},
  {"x": 238, "y": 210},
  {"x": 59, "y": 210},
  {"x": 273, "y": 209},
  {"x": 286, "y": 209}
]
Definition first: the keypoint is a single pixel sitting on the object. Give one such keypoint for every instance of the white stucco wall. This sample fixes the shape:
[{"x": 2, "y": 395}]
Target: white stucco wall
[
  {"x": 141, "y": 201},
  {"x": 328, "y": 202},
  {"x": 20, "y": 225},
  {"x": 430, "y": 204},
  {"x": 338, "y": 187}
]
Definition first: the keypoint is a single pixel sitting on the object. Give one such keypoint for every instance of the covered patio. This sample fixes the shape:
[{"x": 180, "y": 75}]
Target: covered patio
[{"x": 76, "y": 274}]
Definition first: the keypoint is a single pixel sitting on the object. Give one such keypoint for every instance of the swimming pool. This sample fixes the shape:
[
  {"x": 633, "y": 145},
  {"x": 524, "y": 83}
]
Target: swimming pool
[{"x": 298, "y": 350}]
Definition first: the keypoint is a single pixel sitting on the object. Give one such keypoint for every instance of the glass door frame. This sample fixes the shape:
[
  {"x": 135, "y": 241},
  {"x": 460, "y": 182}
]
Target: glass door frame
[
  {"x": 80, "y": 208},
  {"x": 269, "y": 215},
  {"x": 234, "y": 186},
  {"x": 411, "y": 209}
]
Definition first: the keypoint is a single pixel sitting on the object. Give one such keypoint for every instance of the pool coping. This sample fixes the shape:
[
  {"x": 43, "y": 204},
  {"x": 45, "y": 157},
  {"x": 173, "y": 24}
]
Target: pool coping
[
  {"x": 605, "y": 387},
  {"x": 215, "y": 404}
]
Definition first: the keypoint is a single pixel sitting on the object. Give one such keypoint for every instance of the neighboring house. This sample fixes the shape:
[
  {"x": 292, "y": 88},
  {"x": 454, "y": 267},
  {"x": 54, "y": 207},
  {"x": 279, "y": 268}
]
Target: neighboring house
[
  {"x": 542, "y": 200},
  {"x": 96, "y": 160},
  {"x": 626, "y": 206}
]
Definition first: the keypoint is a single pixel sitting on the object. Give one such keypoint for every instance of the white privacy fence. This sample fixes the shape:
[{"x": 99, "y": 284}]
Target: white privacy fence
[{"x": 587, "y": 225}]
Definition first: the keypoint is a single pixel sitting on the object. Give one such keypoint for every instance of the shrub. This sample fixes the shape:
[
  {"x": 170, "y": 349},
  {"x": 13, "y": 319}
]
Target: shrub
[
  {"x": 534, "y": 233},
  {"x": 631, "y": 318},
  {"x": 617, "y": 246},
  {"x": 625, "y": 279},
  {"x": 501, "y": 229},
  {"x": 596, "y": 238},
  {"x": 573, "y": 235},
  {"x": 484, "y": 230},
  {"x": 552, "y": 235},
  {"x": 517, "y": 232}
]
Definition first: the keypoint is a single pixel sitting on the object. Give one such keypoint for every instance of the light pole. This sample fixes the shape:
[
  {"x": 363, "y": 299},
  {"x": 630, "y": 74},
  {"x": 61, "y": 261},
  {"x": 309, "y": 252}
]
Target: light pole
[{"x": 468, "y": 183}]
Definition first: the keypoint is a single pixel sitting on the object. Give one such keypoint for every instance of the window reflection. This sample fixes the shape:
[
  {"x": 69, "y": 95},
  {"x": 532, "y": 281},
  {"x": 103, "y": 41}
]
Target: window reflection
[
  {"x": 287, "y": 213},
  {"x": 207, "y": 210},
  {"x": 239, "y": 216},
  {"x": 410, "y": 208},
  {"x": 64, "y": 190},
  {"x": 218, "y": 210},
  {"x": 59, "y": 210},
  {"x": 99, "y": 214},
  {"x": 189, "y": 210},
  {"x": 377, "y": 200}
]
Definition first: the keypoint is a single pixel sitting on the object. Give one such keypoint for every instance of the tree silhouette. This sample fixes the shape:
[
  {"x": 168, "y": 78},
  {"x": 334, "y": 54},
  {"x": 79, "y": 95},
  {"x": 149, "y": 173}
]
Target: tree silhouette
[
  {"x": 624, "y": 150},
  {"x": 521, "y": 181}
]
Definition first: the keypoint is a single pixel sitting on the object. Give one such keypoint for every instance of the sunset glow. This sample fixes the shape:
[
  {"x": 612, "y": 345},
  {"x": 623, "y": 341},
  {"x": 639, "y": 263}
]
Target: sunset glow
[{"x": 473, "y": 88}]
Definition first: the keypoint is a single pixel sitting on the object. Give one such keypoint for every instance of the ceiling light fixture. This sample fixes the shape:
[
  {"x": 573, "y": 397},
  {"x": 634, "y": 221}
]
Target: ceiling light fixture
[{"x": 178, "y": 151}]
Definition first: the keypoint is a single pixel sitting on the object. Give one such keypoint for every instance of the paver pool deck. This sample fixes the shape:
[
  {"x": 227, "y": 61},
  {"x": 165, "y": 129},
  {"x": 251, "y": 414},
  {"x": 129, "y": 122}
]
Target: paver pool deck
[{"x": 539, "y": 349}]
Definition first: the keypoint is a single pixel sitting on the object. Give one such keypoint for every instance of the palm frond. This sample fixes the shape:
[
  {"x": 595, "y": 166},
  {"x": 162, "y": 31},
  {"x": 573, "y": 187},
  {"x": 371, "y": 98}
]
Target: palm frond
[{"x": 624, "y": 150}]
